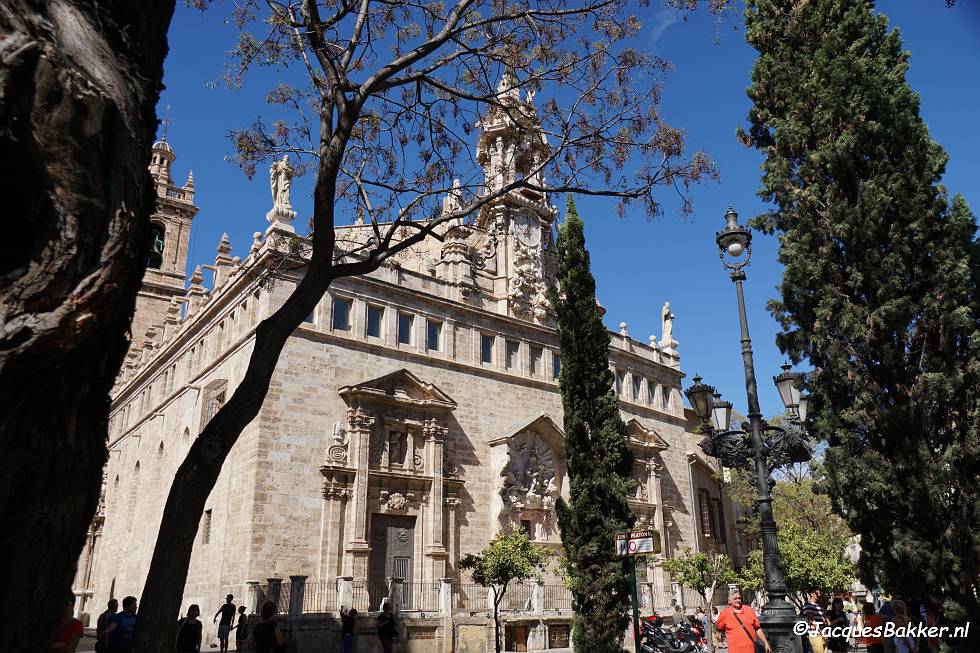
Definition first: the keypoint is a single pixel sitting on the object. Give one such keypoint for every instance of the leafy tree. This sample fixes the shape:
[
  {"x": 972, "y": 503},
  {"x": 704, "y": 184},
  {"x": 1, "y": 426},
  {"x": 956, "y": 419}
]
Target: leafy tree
[
  {"x": 811, "y": 559},
  {"x": 78, "y": 91},
  {"x": 879, "y": 292},
  {"x": 702, "y": 572},
  {"x": 599, "y": 460},
  {"x": 507, "y": 559},
  {"x": 381, "y": 98}
]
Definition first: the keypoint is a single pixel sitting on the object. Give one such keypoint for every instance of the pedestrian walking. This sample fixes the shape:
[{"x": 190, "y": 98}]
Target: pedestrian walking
[
  {"x": 102, "y": 623},
  {"x": 267, "y": 634},
  {"x": 227, "y": 614},
  {"x": 838, "y": 621},
  {"x": 702, "y": 617},
  {"x": 716, "y": 634},
  {"x": 903, "y": 643},
  {"x": 812, "y": 610},
  {"x": 189, "y": 632},
  {"x": 872, "y": 620},
  {"x": 121, "y": 626},
  {"x": 241, "y": 629},
  {"x": 852, "y": 623},
  {"x": 348, "y": 623},
  {"x": 741, "y": 627},
  {"x": 68, "y": 631},
  {"x": 387, "y": 628}
]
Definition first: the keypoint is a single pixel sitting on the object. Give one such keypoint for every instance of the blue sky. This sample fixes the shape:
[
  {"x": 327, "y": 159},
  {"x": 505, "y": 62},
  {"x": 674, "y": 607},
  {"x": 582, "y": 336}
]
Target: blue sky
[{"x": 638, "y": 264}]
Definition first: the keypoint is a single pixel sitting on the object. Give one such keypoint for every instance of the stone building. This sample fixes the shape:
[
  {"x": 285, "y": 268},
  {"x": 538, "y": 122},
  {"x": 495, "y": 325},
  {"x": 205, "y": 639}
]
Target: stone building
[{"x": 413, "y": 415}]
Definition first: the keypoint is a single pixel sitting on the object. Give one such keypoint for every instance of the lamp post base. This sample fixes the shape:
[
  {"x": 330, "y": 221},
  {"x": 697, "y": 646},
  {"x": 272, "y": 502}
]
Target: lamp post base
[{"x": 778, "y": 617}]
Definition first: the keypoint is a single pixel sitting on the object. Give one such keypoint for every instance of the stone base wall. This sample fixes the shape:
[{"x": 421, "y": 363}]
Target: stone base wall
[{"x": 321, "y": 633}]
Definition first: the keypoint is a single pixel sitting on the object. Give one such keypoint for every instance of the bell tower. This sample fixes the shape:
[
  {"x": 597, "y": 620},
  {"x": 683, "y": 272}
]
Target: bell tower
[
  {"x": 512, "y": 148},
  {"x": 169, "y": 234}
]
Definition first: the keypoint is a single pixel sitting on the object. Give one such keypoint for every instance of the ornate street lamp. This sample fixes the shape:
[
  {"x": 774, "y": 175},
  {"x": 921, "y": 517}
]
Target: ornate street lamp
[
  {"x": 721, "y": 414},
  {"x": 756, "y": 445}
]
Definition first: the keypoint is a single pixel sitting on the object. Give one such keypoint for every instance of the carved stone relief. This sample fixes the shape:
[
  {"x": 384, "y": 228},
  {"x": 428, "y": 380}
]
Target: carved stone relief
[
  {"x": 530, "y": 485},
  {"x": 526, "y": 288}
]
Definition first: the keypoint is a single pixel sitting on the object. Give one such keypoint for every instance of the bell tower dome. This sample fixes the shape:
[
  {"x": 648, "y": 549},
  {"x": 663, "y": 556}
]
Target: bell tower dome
[
  {"x": 511, "y": 149},
  {"x": 168, "y": 235}
]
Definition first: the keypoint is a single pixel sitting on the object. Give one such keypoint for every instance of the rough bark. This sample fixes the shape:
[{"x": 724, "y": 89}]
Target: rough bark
[{"x": 79, "y": 82}]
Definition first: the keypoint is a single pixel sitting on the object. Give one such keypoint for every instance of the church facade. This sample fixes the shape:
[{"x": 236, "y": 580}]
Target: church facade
[{"x": 411, "y": 417}]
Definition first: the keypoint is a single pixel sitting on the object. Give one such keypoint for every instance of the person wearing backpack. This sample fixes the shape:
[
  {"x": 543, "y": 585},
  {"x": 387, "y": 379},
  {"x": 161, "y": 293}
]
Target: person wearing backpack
[{"x": 189, "y": 630}]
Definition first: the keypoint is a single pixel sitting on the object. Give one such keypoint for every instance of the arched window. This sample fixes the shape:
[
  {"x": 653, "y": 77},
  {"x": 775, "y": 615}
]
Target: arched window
[
  {"x": 155, "y": 257},
  {"x": 186, "y": 437},
  {"x": 160, "y": 450}
]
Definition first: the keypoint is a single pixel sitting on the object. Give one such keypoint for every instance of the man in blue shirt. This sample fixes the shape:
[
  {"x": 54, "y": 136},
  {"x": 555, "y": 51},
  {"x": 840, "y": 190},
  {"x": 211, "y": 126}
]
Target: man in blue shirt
[{"x": 121, "y": 627}]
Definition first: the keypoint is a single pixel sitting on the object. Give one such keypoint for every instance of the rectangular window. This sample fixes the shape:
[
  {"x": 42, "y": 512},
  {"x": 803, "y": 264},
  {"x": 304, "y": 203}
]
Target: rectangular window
[
  {"x": 704, "y": 504},
  {"x": 619, "y": 383},
  {"x": 536, "y": 354},
  {"x": 513, "y": 349},
  {"x": 310, "y": 318},
  {"x": 206, "y": 528},
  {"x": 636, "y": 387},
  {"x": 341, "y": 314},
  {"x": 719, "y": 512},
  {"x": 433, "y": 335},
  {"x": 555, "y": 365},
  {"x": 405, "y": 322},
  {"x": 486, "y": 348},
  {"x": 375, "y": 315}
]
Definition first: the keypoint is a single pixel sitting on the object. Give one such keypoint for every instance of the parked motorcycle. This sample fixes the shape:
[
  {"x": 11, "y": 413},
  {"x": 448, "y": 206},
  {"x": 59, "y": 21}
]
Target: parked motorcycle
[{"x": 656, "y": 639}]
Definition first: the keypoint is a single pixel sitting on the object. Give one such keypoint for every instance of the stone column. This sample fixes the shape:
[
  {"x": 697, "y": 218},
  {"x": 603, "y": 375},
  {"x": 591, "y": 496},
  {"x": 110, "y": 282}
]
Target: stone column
[
  {"x": 253, "y": 596},
  {"x": 446, "y": 596},
  {"x": 335, "y": 497},
  {"x": 537, "y": 597},
  {"x": 452, "y": 503},
  {"x": 655, "y": 492},
  {"x": 297, "y": 594},
  {"x": 360, "y": 424},
  {"x": 435, "y": 437},
  {"x": 345, "y": 592}
]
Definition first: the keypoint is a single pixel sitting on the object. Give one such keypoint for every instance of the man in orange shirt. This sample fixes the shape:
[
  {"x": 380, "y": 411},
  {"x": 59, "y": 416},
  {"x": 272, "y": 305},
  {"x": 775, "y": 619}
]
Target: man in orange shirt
[
  {"x": 740, "y": 625},
  {"x": 873, "y": 620}
]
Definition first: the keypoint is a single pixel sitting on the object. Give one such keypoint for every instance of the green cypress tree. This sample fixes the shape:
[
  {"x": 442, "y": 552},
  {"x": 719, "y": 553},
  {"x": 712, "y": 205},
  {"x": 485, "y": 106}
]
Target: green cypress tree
[
  {"x": 599, "y": 460},
  {"x": 879, "y": 291}
]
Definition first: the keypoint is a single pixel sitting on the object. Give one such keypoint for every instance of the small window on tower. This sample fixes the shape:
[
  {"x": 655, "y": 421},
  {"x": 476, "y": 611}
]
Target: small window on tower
[{"x": 155, "y": 257}]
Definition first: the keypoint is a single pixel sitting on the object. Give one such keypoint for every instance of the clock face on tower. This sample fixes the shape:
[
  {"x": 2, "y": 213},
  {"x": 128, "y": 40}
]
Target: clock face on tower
[{"x": 527, "y": 228}]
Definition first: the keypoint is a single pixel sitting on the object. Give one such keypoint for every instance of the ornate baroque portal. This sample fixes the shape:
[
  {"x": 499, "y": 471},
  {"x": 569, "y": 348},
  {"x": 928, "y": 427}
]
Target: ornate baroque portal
[{"x": 385, "y": 472}]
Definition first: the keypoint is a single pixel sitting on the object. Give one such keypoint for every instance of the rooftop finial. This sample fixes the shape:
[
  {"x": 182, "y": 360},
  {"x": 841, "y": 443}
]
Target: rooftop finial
[{"x": 165, "y": 121}]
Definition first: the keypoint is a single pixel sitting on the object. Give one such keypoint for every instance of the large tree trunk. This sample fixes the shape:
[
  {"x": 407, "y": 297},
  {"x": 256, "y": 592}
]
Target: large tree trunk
[{"x": 79, "y": 82}]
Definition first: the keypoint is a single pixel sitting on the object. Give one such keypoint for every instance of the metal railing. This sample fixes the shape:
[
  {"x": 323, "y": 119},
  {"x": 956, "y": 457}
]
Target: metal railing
[
  {"x": 470, "y": 596},
  {"x": 518, "y": 597},
  {"x": 320, "y": 596},
  {"x": 662, "y": 596},
  {"x": 420, "y": 597},
  {"x": 557, "y": 597},
  {"x": 323, "y": 596}
]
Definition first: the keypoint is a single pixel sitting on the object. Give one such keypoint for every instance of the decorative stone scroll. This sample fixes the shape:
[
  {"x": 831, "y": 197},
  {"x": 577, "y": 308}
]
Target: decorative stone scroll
[{"x": 337, "y": 451}]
